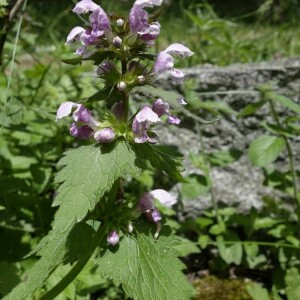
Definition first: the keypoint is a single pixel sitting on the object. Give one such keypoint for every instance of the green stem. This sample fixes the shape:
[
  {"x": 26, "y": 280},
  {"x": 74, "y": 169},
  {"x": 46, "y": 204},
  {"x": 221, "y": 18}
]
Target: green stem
[
  {"x": 213, "y": 198},
  {"x": 290, "y": 156},
  {"x": 11, "y": 70},
  {"x": 125, "y": 97},
  {"x": 60, "y": 286}
]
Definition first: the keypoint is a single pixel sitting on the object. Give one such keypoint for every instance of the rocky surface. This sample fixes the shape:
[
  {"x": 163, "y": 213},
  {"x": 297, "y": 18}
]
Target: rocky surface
[{"x": 238, "y": 184}]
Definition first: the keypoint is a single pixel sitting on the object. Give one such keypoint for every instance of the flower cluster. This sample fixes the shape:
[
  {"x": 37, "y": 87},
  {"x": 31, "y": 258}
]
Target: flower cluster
[
  {"x": 85, "y": 125},
  {"x": 146, "y": 206},
  {"x": 119, "y": 46}
]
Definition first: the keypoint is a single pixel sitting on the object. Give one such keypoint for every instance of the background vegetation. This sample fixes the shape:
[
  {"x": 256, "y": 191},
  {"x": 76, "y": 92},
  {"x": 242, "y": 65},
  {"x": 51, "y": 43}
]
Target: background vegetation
[{"x": 264, "y": 246}]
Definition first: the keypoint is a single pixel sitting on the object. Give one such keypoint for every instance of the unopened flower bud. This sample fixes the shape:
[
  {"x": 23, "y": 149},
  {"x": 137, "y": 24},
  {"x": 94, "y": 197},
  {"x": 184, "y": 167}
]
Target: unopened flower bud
[
  {"x": 117, "y": 42},
  {"x": 130, "y": 228},
  {"x": 122, "y": 86},
  {"x": 105, "y": 135},
  {"x": 120, "y": 22},
  {"x": 113, "y": 238},
  {"x": 141, "y": 79},
  {"x": 105, "y": 67}
]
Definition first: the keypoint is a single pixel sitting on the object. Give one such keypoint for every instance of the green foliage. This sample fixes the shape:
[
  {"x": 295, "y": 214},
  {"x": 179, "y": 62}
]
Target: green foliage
[
  {"x": 292, "y": 280},
  {"x": 257, "y": 292},
  {"x": 150, "y": 263},
  {"x": 55, "y": 249},
  {"x": 162, "y": 160},
  {"x": 88, "y": 173},
  {"x": 265, "y": 149}
]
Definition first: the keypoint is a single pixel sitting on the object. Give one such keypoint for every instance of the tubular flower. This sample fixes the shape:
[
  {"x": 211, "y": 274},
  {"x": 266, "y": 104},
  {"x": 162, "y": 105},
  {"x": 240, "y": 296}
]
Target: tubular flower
[
  {"x": 162, "y": 108},
  {"x": 113, "y": 238},
  {"x": 85, "y": 6},
  {"x": 139, "y": 21},
  {"x": 141, "y": 123},
  {"x": 85, "y": 124},
  {"x": 105, "y": 135},
  {"x": 99, "y": 27},
  {"x": 165, "y": 61},
  {"x": 147, "y": 207}
]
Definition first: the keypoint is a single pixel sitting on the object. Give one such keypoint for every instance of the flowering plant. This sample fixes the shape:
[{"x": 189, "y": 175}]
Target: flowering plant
[{"x": 97, "y": 218}]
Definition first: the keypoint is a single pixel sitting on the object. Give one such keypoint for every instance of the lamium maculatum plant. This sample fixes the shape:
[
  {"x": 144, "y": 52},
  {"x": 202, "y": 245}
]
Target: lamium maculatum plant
[{"x": 98, "y": 217}]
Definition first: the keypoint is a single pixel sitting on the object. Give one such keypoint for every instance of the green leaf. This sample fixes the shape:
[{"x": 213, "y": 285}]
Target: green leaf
[
  {"x": 170, "y": 97},
  {"x": 89, "y": 172},
  {"x": 292, "y": 280},
  {"x": 252, "y": 255},
  {"x": 257, "y": 292},
  {"x": 186, "y": 247},
  {"x": 161, "y": 159},
  {"x": 250, "y": 109},
  {"x": 146, "y": 268},
  {"x": 267, "y": 222},
  {"x": 55, "y": 248},
  {"x": 287, "y": 103},
  {"x": 265, "y": 149},
  {"x": 224, "y": 158},
  {"x": 195, "y": 186},
  {"x": 204, "y": 241},
  {"x": 230, "y": 254},
  {"x": 9, "y": 276},
  {"x": 72, "y": 61}
]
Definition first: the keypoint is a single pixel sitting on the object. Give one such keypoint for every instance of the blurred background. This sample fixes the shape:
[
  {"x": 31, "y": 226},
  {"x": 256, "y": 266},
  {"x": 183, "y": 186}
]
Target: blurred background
[{"x": 231, "y": 253}]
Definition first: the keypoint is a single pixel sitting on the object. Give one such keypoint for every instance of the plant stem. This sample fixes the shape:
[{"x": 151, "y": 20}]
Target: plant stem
[
  {"x": 7, "y": 25},
  {"x": 10, "y": 70},
  {"x": 213, "y": 198},
  {"x": 125, "y": 96},
  {"x": 290, "y": 156},
  {"x": 60, "y": 286}
]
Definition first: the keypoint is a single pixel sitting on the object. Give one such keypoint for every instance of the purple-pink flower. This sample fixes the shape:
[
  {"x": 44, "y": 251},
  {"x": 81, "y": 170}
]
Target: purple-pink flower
[
  {"x": 165, "y": 61},
  {"x": 139, "y": 21},
  {"x": 105, "y": 135},
  {"x": 99, "y": 27},
  {"x": 85, "y": 124},
  {"x": 141, "y": 124},
  {"x": 147, "y": 207},
  {"x": 161, "y": 108},
  {"x": 85, "y": 6},
  {"x": 113, "y": 238}
]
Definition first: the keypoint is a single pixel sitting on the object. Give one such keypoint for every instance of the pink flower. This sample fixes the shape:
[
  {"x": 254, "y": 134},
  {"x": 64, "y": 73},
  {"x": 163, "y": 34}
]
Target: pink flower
[
  {"x": 165, "y": 60},
  {"x": 85, "y": 6},
  {"x": 162, "y": 108},
  {"x": 147, "y": 207},
  {"x": 105, "y": 135},
  {"x": 141, "y": 124},
  {"x": 113, "y": 238}
]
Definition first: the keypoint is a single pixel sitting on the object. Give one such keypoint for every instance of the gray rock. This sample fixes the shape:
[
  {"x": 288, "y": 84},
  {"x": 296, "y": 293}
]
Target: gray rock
[{"x": 238, "y": 184}]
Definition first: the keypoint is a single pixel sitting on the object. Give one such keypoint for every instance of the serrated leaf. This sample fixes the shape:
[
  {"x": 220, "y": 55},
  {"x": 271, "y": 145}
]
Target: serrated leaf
[
  {"x": 170, "y": 97},
  {"x": 89, "y": 172},
  {"x": 146, "y": 268},
  {"x": 56, "y": 248},
  {"x": 265, "y": 149},
  {"x": 160, "y": 159}
]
